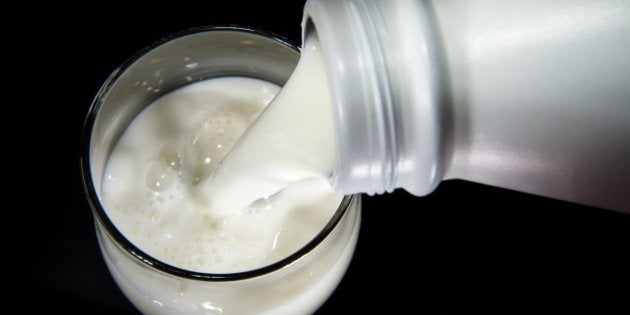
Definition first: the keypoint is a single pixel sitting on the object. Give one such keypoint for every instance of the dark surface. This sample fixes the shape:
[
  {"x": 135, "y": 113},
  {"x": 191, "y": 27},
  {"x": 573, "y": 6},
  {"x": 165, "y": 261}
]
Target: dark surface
[{"x": 466, "y": 248}]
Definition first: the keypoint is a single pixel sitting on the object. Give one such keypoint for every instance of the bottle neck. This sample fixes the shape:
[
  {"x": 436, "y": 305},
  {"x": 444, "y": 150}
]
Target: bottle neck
[{"x": 382, "y": 67}]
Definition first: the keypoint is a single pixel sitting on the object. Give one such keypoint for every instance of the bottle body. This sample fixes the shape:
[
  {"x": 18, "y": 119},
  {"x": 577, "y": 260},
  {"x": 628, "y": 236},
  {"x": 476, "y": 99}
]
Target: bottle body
[{"x": 527, "y": 95}]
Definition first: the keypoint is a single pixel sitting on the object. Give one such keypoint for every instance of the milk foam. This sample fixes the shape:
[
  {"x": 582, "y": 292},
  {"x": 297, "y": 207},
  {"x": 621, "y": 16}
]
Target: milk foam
[{"x": 155, "y": 186}]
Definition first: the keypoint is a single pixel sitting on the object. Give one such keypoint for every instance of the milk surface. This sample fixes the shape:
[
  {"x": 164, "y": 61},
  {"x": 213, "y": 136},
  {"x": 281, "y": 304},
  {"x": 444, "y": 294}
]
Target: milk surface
[{"x": 156, "y": 182}]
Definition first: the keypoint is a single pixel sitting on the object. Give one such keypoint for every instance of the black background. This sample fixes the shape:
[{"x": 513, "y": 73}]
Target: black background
[{"x": 466, "y": 248}]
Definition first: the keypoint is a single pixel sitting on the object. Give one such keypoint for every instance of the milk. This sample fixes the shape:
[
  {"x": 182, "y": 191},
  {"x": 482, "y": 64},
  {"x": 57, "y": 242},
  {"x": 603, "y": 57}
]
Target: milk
[
  {"x": 152, "y": 178},
  {"x": 172, "y": 190}
]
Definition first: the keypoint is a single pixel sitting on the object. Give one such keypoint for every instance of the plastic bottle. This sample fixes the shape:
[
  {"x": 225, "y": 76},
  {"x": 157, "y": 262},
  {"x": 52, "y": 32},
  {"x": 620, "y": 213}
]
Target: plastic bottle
[{"x": 530, "y": 95}]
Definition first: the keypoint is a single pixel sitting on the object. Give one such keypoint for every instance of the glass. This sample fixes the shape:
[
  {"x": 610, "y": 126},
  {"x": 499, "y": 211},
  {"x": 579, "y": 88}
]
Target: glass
[{"x": 299, "y": 283}]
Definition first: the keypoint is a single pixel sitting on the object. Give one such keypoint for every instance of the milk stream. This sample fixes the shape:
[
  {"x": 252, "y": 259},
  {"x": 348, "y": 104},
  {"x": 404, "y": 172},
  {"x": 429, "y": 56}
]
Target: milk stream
[{"x": 291, "y": 142}]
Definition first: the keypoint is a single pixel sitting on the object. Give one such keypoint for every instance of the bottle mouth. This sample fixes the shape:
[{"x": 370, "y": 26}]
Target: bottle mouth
[
  {"x": 361, "y": 93},
  {"x": 273, "y": 60},
  {"x": 386, "y": 86}
]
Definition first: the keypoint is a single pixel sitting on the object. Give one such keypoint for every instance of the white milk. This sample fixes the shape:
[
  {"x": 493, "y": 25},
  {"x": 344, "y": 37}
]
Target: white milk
[
  {"x": 271, "y": 198},
  {"x": 151, "y": 184},
  {"x": 296, "y": 134}
]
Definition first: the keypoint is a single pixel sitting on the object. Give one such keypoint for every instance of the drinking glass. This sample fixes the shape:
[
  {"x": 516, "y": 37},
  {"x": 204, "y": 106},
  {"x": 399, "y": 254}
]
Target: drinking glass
[{"x": 298, "y": 283}]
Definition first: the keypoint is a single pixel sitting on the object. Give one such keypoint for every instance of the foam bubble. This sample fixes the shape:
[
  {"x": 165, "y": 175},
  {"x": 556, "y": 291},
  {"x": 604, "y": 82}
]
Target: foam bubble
[{"x": 159, "y": 177}]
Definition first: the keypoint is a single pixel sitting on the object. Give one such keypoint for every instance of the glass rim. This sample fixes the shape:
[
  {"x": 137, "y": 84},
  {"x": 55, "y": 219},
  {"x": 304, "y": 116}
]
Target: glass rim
[{"x": 119, "y": 238}]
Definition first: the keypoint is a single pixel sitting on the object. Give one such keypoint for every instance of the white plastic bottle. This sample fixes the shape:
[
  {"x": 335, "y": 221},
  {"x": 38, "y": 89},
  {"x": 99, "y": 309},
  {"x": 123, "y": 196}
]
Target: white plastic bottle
[{"x": 531, "y": 95}]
